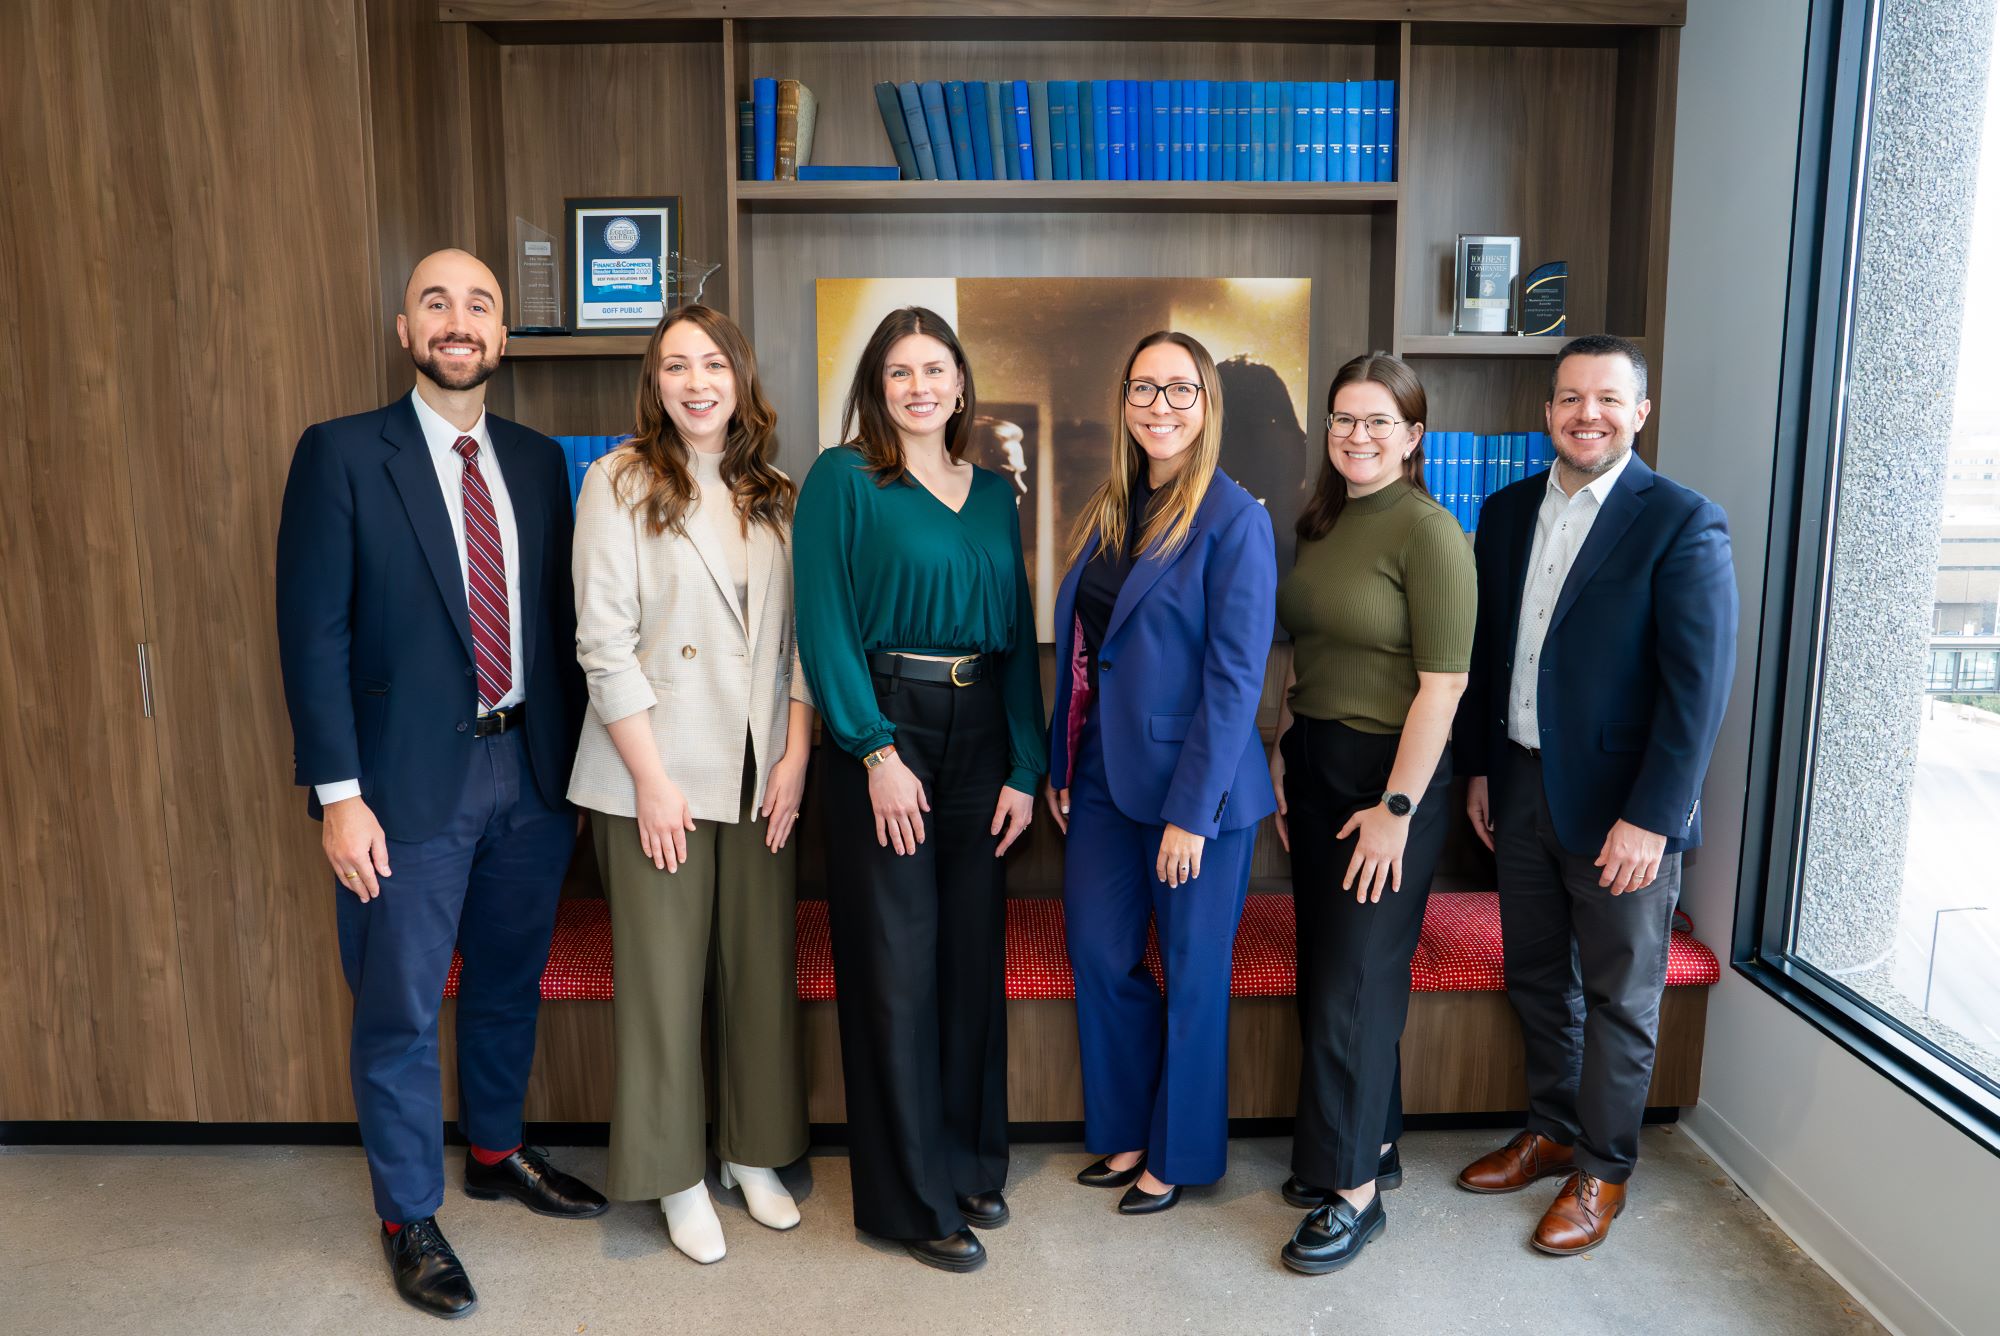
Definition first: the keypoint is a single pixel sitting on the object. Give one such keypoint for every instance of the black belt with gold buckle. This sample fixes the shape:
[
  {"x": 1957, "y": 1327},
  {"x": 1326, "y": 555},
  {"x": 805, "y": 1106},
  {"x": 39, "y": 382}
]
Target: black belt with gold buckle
[
  {"x": 495, "y": 722},
  {"x": 962, "y": 671}
]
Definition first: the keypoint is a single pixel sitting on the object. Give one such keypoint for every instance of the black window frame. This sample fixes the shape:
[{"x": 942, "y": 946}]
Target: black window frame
[{"x": 1828, "y": 204}]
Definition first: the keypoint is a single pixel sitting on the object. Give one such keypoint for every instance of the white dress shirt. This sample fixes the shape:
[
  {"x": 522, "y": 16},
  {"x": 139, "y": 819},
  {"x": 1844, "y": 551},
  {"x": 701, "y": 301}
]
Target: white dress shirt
[
  {"x": 441, "y": 437},
  {"x": 1561, "y": 525}
]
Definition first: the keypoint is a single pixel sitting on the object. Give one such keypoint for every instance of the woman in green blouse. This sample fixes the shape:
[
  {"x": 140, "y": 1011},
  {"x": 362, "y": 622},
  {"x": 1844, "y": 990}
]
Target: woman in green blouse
[
  {"x": 1379, "y": 604},
  {"x": 917, "y": 635}
]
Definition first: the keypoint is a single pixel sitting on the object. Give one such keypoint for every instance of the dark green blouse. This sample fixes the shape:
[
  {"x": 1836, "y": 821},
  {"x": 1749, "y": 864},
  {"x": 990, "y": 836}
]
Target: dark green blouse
[{"x": 893, "y": 568}]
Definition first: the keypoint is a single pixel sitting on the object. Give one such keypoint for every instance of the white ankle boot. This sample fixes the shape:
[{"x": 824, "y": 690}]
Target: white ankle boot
[
  {"x": 692, "y": 1225},
  {"x": 766, "y": 1197}
]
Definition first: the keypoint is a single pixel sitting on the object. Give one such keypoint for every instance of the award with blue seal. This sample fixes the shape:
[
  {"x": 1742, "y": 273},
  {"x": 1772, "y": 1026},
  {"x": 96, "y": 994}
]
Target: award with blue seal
[{"x": 622, "y": 276}]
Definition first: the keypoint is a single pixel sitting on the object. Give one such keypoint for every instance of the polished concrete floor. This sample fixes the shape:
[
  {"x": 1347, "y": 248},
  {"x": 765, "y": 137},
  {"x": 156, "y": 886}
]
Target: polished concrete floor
[{"x": 279, "y": 1240}]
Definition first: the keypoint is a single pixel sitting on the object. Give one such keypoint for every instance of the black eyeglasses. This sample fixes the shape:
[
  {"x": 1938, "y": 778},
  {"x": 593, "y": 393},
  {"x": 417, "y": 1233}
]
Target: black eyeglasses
[{"x": 1180, "y": 394}]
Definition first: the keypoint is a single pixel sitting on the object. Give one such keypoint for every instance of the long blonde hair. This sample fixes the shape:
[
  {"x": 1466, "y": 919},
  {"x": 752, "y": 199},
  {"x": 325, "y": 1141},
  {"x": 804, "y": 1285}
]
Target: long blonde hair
[{"x": 1170, "y": 517}]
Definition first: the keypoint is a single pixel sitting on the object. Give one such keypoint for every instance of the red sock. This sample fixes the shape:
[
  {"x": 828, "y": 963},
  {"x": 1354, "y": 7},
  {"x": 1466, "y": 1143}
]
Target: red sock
[
  {"x": 484, "y": 1156},
  {"x": 392, "y": 1227}
]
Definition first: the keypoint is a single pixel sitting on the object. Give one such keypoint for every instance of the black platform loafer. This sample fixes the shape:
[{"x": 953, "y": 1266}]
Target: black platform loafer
[
  {"x": 1102, "y": 1175},
  {"x": 1388, "y": 1177},
  {"x": 529, "y": 1178},
  {"x": 1333, "y": 1235},
  {"x": 959, "y": 1252},
  {"x": 1138, "y": 1201},
  {"x": 426, "y": 1271},
  {"x": 987, "y": 1210}
]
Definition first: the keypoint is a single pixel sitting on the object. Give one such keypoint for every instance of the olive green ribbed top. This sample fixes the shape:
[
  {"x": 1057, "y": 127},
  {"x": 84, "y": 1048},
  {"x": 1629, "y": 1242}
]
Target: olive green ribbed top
[{"x": 1388, "y": 593}]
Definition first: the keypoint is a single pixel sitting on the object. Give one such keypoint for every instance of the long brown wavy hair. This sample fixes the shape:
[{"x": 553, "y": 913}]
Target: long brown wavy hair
[
  {"x": 652, "y": 471},
  {"x": 866, "y": 422},
  {"x": 1330, "y": 491},
  {"x": 1171, "y": 514}
]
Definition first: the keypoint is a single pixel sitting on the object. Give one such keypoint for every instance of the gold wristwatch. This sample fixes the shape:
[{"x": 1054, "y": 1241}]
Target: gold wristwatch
[{"x": 879, "y": 755}]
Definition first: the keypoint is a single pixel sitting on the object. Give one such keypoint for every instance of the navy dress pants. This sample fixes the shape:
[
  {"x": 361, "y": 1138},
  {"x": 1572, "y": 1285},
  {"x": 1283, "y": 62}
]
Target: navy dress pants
[
  {"x": 486, "y": 883},
  {"x": 1155, "y": 1069}
]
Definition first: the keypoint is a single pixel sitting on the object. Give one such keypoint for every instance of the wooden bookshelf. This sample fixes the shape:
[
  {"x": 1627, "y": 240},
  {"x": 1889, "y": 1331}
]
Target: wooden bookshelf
[
  {"x": 575, "y": 345},
  {"x": 1056, "y": 196},
  {"x": 1486, "y": 345}
]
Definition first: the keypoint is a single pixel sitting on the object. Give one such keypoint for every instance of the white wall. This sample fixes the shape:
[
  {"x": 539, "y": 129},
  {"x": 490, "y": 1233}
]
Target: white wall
[{"x": 1892, "y": 1199}]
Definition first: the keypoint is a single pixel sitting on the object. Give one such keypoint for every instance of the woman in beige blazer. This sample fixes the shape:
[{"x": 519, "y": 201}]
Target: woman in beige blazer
[{"x": 693, "y": 760}]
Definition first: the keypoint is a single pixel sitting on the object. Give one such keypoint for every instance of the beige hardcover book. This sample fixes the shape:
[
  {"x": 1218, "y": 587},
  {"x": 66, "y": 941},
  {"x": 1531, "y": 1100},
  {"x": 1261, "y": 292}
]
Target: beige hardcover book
[{"x": 796, "y": 112}]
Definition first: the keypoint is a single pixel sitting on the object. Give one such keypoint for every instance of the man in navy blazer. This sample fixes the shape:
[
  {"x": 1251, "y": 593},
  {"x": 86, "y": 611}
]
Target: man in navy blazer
[
  {"x": 427, "y": 635},
  {"x": 1601, "y": 664}
]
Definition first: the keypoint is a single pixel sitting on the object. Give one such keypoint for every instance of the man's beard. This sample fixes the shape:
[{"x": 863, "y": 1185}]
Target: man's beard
[
  {"x": 455, "y": 375},
  {"x": 1612, "y": 458}
]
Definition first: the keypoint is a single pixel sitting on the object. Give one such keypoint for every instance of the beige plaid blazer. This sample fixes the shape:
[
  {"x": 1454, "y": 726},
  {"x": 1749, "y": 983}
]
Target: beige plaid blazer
[{"x": 658, "y": 628}]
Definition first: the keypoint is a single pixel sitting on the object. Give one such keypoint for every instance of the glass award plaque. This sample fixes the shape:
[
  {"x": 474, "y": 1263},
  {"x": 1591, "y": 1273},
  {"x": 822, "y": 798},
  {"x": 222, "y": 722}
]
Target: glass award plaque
[
  {"x": 683, "y": 277},
  {"x": 1544, "y": 297},
  {"x": 1486, "y": 270},
  {"x": 537, "y": 281}
]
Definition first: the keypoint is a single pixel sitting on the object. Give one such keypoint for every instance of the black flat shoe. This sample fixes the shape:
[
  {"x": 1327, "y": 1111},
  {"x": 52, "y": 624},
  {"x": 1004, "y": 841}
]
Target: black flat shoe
[
  {"x": 1333, "y": 1235},
  {"x": 1138, "y": 1201},
  {"x": 1388, "y": 1177},
  {"x": 529, "y": 1178},
  {"x": 960, "y": 1252},
  {"x": 1102, "y": 1175},
  {"x": 426, "y": 1271},
  {"x": 987, "y": 1210}
]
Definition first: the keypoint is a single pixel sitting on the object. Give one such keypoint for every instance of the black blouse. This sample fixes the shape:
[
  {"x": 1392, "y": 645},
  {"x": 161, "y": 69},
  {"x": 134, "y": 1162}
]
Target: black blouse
[{"x": 1104, "y": 576}]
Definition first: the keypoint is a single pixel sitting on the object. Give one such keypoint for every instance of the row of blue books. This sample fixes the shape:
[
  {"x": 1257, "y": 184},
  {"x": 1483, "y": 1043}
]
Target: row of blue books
[
  {"x": 1462, "y": 468},
  {"x": 583, "y": 451},
  {"x": 1141, "y": 130}
]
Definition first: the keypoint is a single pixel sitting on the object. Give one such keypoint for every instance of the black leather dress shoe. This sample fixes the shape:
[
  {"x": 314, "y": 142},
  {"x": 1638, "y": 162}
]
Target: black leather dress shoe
[
  {"x": 987, "y": 1210},
  {"x": 529, "y": 1178},
  {"x": 1138, "y": 1201},
  {"x": 960, "y": 1252},
  {"x": 426, "y": 1271},
  {"x": 1102, "y": 1175},
  {"x": 1333, "y": 1235},
  {"x": 1388, "y": 1177}
]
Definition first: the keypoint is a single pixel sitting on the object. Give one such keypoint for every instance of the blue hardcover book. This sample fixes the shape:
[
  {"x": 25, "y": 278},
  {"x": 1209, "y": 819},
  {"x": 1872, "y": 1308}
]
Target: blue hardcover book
[
  {"x": 960, "y": 124},
  {"x": 809, "y": 171},
  {"x": 1367, "y": 132},
  {"x": 1024, "y": 132},
  {"x": 1288, "y": 110},
  {"x": 764, "y": 116},
  {"x": 891, "y": 106},
  {"x": 1086, "y": 115},
  {"x": 1058, "y": 133},
  {"x": 1134, "y": 166},
  {"x": 1114, "y": 130},
  {"x": 1163, "y": 102},
  {"x": 1431, "y": 464},
  {"x": 1218, "y": 129},
  {"x": 1225, "y": 144},
  {"x": 1038, "y": 118},
  {"x": 1175, "y": 125},
  {"x": 1385, "y": 130},
  {"x": 746, "y": 139},
  {"x": 1206, "y": 159},
  {"x": 999, "y": 121},
  {"x": 982, "y": 130},
  {"x": 1455, "y": 479},
  {"x": 1336, "y": 133},
  {"x": 1351, "y": 162},
  {"x": 1253, "y": 134},
  {"x": 1300, "y": 157},
  {"x": 1074, "y": 96},
  {"x": 1276, "y": 127},
  {"x": 919, "y": 130},
  {"x": 938, "y": 121},
  {"x": 1319, "y": 131},
  {"x": 1100, "y": 118},
  {"x": 1142, "y": 128}
]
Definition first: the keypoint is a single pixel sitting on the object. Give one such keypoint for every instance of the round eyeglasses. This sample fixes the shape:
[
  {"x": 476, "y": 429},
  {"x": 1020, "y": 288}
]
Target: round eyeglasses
[
  {"x": 1379, "y": 427},
  {"x": 1180, "y": 394}
]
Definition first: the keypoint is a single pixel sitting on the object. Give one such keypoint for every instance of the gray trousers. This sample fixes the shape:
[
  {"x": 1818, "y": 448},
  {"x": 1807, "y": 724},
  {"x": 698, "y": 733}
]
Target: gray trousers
[
  {"x": 1585, "y": 971},
  {"x": 730, "y": 910}
]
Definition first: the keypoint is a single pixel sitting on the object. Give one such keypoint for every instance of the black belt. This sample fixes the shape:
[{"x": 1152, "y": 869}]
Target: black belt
[
  {"x": 495, "y": 722},
  {"x": 1532, "y": 753},
  {"x": 962, "y": 671}
]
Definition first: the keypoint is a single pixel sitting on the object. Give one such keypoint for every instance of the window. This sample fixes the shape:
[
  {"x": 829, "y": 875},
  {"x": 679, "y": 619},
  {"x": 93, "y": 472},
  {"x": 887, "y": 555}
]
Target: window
[{"x": 1873, "y": 905}]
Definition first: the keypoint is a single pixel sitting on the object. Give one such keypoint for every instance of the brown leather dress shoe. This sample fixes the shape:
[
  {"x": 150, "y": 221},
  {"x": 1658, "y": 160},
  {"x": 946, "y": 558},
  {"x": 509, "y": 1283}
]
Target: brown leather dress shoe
[
  {"x": 1580, "y": 1217},
  {"x": 1520, "y": 1162}
]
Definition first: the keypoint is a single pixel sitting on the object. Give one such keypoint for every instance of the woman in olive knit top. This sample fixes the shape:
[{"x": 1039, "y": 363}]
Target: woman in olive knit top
[
  {"x": 917, "y": 634},
  {"x": 1380, "y": 606}
]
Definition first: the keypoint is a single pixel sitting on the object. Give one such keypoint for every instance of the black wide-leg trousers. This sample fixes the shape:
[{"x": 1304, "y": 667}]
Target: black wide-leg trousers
[
  {"x": 1354, "y": 958},
  {"x": 919, "y": 968}
]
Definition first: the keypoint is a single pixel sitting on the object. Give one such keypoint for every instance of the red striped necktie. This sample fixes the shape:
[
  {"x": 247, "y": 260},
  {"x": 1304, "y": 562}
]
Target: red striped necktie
[{"x": 485, "y": 582}]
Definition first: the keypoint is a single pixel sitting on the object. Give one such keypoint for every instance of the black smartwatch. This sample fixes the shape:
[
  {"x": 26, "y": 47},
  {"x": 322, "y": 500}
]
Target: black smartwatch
[{"x": 1399, "y": 804}]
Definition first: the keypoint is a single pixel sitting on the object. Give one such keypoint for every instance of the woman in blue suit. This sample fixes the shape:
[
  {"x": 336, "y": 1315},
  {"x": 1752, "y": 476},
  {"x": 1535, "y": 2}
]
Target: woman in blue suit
[{"x": 1157, "y": 773}]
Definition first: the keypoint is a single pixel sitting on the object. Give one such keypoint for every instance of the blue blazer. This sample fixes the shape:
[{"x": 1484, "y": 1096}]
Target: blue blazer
[
  {"x": 1636, "y": 666},
  {"x": 1181, "y": 673},
  {"x": 374, "y": 638}
]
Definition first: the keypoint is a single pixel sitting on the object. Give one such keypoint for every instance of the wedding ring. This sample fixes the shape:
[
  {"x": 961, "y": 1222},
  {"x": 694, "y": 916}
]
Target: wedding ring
[{"x": 350, "y": 874}]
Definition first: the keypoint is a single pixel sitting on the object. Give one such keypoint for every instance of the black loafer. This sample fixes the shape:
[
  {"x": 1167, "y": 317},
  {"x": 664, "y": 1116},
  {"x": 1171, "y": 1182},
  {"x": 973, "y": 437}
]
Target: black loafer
[
  {"x": 1388, "y": 1177},
  {"x": 426, "y": 1271},
  {"x": 959, "y": 1252},
  {"x": 1333, "y": 1235},
  {"x": 1102, "y": 1175},
  {"x": 987, "y": 1210},
  {"x": 1138, "y": 1201},
  {"x": 529, "y": 1178}
]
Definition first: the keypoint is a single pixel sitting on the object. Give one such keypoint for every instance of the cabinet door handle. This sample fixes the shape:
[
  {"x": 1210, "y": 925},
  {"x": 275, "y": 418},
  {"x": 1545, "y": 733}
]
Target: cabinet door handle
[{"x": 146, "y": 678}]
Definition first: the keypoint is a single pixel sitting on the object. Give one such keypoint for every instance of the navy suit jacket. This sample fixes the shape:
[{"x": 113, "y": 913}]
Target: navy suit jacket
[
  {"x": 1636, "y": 666},
  {"x": 373, "y": 634},
  {"x": 1181, "y": 673}
]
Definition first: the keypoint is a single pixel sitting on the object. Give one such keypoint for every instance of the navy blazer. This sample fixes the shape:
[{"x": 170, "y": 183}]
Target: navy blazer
[
  {"x": 373, "y": 634},
  {"x": 1181, "y": 673},
  {"x": 1636, "y": 666}
]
